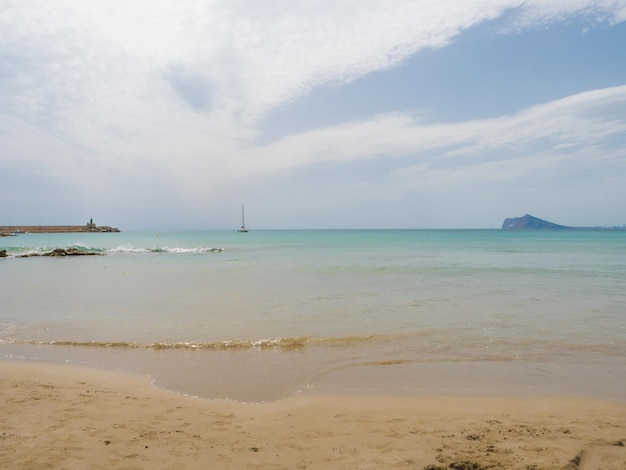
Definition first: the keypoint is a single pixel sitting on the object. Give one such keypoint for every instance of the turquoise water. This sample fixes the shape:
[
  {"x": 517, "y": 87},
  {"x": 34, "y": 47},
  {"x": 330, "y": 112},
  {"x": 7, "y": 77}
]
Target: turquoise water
[{"x": 265, "y": 314}]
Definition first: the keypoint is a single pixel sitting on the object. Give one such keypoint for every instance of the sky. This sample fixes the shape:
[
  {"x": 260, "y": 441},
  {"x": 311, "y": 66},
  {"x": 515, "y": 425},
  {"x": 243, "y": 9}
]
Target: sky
[{"x": 334, "y": 114}]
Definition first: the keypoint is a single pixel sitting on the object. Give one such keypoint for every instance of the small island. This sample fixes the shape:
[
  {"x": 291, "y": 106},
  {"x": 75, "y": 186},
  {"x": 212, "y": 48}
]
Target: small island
[{"x": 529, "y": 222}]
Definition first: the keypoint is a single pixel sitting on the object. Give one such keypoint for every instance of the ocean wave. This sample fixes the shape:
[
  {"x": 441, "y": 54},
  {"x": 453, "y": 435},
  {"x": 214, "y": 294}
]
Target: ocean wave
[
  {"x": 279, "y": 343},
  {"x": 27, "y": 251},
  {"x": 285, "y": 344},
  {"x": 164, "y": 249},
  {"x": 176, "y": 250},
  {"x": 368, "y": 351}
]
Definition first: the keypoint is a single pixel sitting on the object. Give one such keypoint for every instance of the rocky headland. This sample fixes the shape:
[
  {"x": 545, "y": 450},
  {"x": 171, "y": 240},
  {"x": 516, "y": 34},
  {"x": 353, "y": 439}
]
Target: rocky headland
[{"x": 529, "y": 222}]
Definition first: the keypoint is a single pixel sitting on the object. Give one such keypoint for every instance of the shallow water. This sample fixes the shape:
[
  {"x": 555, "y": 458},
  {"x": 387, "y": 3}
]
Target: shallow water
[{"x": 262, "y": 315}]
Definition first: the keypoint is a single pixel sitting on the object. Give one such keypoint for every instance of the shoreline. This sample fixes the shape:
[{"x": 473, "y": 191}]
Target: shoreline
[
  {"x": 257, "y": 376},
  {"x": 77, "y": 417}
]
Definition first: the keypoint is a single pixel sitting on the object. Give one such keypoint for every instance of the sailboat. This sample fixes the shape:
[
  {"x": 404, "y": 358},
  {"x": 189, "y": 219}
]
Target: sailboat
[{"x": 243, "y": 222}]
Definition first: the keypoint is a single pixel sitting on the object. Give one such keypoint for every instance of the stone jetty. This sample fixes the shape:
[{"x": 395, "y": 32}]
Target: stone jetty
[{"x": 8, "y": 230}]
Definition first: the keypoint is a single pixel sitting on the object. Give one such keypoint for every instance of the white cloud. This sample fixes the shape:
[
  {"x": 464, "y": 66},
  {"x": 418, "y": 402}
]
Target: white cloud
[
  {"x": 578, "y": 121},
  {"x": 534, "y": 13},
  {"x": 127, "y": 61}
]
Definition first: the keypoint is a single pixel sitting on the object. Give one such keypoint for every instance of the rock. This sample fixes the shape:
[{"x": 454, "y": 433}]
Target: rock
[
  {"x": 465, "y": 465},
  {"x": 3, "y": 254},
  {"x": 69, "y": 252},
  {"x": 62, "y": 252},
  {"x": 91, "y": 227},
  {"x": 530, "y": 222}
]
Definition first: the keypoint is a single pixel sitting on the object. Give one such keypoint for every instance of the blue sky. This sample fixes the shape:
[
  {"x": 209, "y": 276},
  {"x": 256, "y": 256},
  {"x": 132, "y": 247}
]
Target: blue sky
[{"x": 315, "y": 114}]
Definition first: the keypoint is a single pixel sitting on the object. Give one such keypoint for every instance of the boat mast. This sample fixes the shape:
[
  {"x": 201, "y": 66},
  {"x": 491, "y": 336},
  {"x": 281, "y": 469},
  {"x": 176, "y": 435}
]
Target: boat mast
[{"x": 243, "y": 222}]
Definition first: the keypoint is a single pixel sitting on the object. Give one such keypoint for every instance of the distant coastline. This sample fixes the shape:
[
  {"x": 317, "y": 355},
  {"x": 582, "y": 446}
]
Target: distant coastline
[{"x": 10, "y": 230}]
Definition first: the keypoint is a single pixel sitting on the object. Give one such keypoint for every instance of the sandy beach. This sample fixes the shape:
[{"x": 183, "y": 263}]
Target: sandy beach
[{"x": 56, "y": 416}]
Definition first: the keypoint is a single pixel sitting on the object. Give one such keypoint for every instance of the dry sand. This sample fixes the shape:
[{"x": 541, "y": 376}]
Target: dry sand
[{"x": 66, "y": 417}]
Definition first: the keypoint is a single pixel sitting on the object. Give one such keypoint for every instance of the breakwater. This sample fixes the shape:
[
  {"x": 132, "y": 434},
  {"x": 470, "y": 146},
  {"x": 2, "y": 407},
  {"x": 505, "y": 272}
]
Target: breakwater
[{"x": 17, "y": 229}]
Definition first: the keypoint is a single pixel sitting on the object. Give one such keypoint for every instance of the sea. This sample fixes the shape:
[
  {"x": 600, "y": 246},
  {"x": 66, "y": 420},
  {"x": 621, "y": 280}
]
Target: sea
[{"x": 268, "y": 314}]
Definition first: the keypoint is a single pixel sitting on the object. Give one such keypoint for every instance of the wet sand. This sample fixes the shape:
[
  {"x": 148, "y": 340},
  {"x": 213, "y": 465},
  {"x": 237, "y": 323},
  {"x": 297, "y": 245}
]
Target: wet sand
[{"x": 56, "y": 416}]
